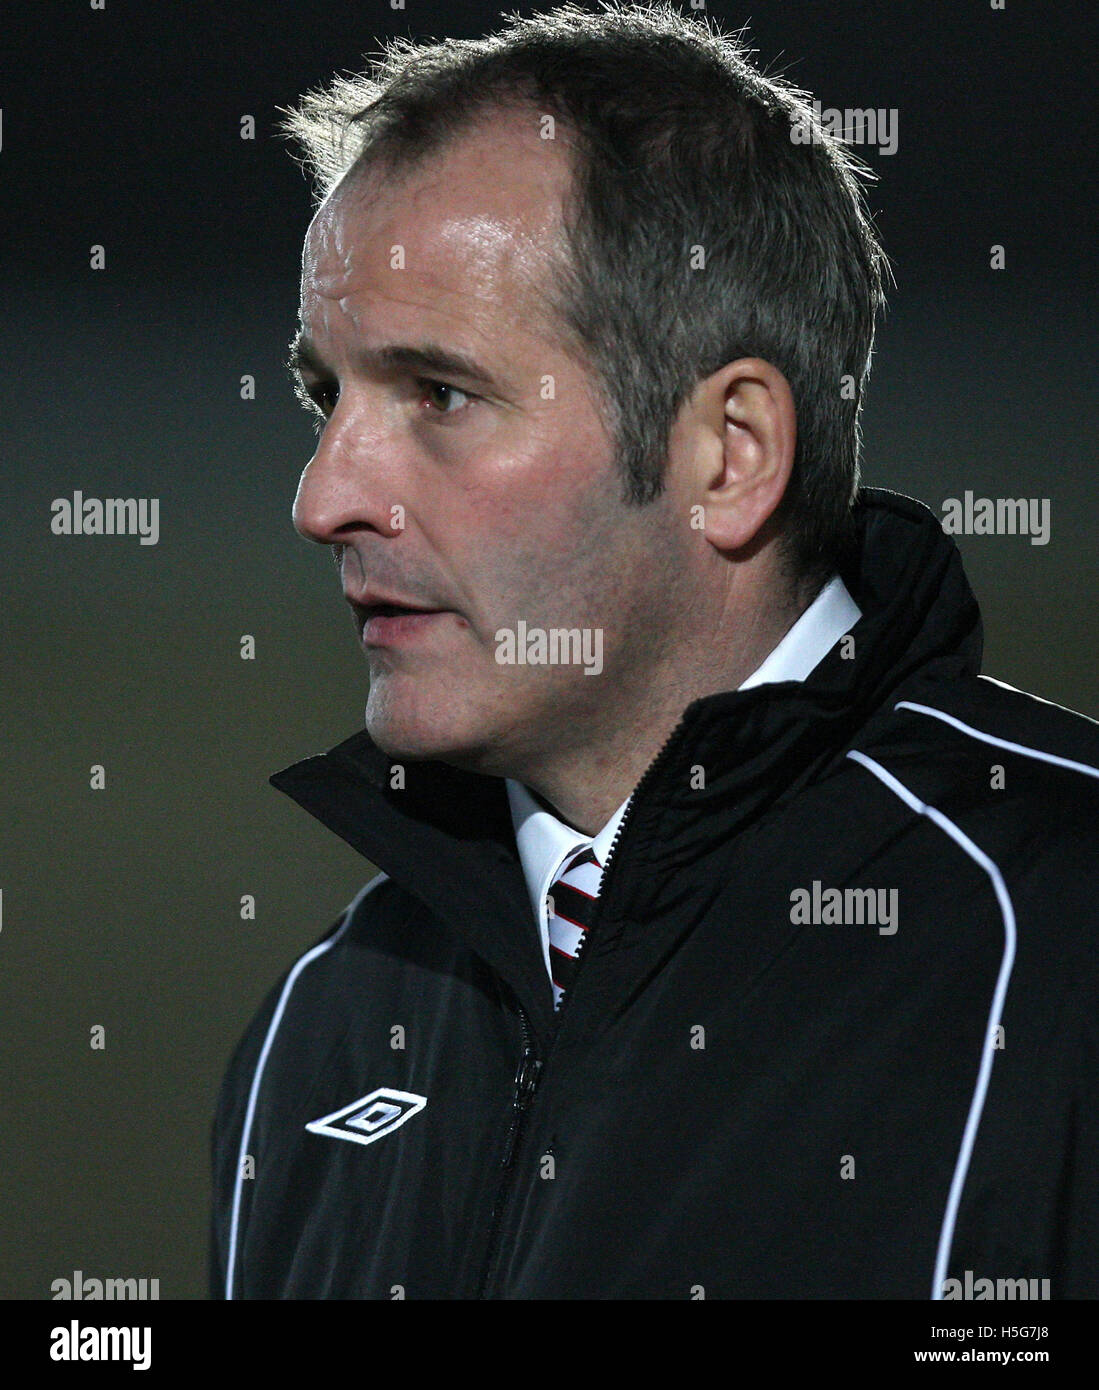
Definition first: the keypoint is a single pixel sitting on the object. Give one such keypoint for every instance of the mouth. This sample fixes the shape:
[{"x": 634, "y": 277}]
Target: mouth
[
  {"x": 386, "y": 623},
  {"x": 390, "y": 610}
]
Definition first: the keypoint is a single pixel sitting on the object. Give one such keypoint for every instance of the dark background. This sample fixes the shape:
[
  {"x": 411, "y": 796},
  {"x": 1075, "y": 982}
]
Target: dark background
[{"x": 121, "y": 907}]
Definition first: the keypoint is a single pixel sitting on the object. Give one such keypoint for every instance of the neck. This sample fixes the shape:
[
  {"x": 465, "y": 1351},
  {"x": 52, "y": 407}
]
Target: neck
[{"x": 586, "y": 783}]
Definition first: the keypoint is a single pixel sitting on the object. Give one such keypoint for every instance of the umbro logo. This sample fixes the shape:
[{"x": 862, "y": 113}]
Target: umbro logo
[{"x": 370, "y": 1117}]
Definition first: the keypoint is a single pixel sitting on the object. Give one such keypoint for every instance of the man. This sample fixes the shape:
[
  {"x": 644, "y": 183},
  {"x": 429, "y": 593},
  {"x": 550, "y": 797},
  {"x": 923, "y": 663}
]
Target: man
[{"x": 732, "y": 938}]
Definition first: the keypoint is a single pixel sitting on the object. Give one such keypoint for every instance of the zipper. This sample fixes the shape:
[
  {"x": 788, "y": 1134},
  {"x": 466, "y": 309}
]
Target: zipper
[
  {"x": 600, "y": 901},
  {"x": 526, "y": 1083},
  {"x": 531, "y": 1066}
]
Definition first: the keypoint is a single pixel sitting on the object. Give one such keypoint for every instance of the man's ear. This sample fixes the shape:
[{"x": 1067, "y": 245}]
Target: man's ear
[{"x": 748, "y": 424}]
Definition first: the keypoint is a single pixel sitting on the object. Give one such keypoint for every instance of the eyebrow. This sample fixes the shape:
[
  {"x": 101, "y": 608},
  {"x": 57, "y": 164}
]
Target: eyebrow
[{"x": 428, "y": 359}]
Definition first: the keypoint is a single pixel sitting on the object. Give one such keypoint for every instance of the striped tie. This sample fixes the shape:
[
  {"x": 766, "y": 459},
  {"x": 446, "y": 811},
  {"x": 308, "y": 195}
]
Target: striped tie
[{"x": 571, "y": 904}]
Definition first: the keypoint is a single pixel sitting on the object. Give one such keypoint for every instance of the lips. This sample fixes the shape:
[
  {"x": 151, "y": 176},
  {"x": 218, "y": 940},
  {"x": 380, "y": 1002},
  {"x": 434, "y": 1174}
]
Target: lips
[
  {"x": 383, "y": 619},
  {"x": 372, "y": 604}
]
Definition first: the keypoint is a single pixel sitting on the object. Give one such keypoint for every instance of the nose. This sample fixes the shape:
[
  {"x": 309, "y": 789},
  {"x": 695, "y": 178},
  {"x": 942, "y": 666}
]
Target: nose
[{"x": 342, "y": 488}]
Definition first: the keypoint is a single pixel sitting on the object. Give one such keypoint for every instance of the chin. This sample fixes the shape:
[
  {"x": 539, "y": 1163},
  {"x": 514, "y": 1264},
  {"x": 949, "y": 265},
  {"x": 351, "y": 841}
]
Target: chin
[{"x": 419, "y": 731}]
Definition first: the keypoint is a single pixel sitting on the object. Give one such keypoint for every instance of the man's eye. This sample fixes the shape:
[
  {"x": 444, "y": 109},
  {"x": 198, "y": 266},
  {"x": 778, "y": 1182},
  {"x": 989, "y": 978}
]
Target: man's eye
[
  {"x": 446, "y": 399},
  {"x": 325, "y": 398}
]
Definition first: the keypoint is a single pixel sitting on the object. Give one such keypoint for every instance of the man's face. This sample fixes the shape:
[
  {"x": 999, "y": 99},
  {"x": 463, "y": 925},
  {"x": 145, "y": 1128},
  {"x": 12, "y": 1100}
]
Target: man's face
[{"x": 488, "y": 499}]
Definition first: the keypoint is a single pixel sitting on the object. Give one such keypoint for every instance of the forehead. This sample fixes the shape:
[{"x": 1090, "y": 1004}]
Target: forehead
[{"x": 468, "y": 232}]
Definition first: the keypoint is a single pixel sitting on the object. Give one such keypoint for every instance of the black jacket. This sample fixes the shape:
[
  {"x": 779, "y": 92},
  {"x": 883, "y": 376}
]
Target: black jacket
[{"x": 735, "y": 1101}]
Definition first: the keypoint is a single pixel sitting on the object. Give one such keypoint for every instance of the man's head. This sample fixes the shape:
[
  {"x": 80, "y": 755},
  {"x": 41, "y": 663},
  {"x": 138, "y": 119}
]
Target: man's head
[{"x": 608, "y": 214}]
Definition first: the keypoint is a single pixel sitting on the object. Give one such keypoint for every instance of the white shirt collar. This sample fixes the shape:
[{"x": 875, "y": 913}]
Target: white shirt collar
[
  {"x": 831, "y": 615},
  {"x": 544, "y": 840}
]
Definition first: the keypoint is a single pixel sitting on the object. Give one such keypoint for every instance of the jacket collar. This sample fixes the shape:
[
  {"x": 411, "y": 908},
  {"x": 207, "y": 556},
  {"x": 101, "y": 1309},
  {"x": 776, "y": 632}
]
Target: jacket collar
[
  {"x": 545, "y": 841},
  {"x": 447, "y": 835}
]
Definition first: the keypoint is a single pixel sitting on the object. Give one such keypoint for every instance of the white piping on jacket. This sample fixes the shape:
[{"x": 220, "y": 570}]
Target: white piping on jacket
[
  {"x": 961, "y": 1169},
  {"x": 276, "y": 1018},
  {"x": 1056, "y": 759},
  {"x": 1028, "y": 752}
]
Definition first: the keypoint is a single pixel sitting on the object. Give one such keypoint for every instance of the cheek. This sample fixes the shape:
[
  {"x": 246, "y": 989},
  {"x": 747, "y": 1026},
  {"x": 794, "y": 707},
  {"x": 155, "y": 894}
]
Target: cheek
[{"x": 519, "y": 516}]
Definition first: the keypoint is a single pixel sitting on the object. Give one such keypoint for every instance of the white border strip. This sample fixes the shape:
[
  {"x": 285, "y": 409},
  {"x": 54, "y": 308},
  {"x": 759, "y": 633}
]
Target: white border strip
[
  {"x": 946, "y": 1235},
  {"x": 253, "y": 1094},
  {"x": 1085, "y": 768}
]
